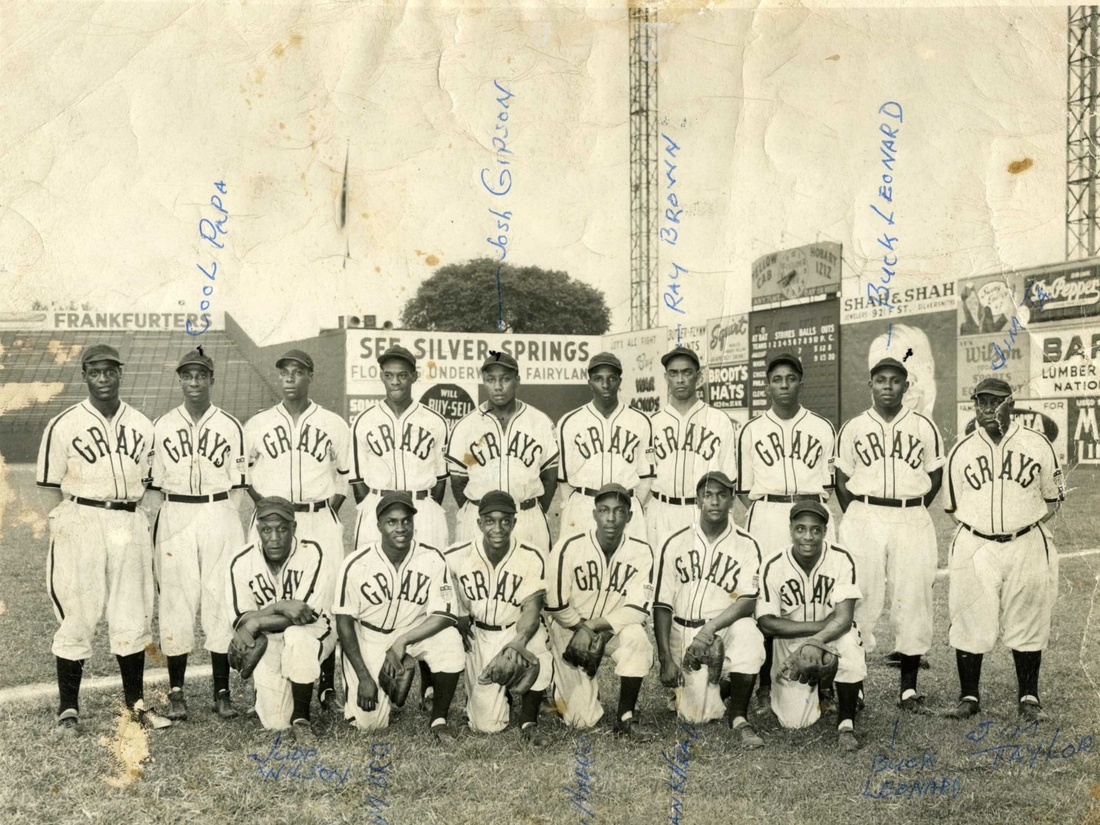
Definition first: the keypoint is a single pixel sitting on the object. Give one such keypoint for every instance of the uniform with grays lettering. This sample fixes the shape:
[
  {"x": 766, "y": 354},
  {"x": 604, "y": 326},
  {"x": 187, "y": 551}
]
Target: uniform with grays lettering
[
  {"x": 295, "y": 654},
  {"x": 697, "y": 580}
]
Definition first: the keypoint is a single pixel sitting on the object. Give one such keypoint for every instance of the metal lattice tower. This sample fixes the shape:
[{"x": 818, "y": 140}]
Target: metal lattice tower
[
  {"x": 1082, "y": 235},
  {"x": 643, "y": 166}
]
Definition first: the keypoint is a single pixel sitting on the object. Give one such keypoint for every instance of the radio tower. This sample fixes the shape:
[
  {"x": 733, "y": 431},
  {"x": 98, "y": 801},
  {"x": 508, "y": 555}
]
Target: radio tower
[
  {"x": 1082, "y": 236},
  {"x": 643, "y": 166}
]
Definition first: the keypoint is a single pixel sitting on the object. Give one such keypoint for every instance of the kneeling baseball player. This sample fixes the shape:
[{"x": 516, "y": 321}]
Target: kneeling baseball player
[
  {"x": 601, "y": 586},
  {"x": 282, "y": 626},
  {"x": 810, "y": 596},
  {"x": 394, "y": 605},
  {"x": 703, "y": 614},
  {"x": 502, "y": 587}
]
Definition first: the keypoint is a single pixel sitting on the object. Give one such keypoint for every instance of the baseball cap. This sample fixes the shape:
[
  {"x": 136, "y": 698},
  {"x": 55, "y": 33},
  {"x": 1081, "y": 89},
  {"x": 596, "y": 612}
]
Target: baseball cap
[
  {"x": 612, "y": 488},
  {"x": 302, "y": 358},
  {"x": 274, "y": 506},
  {"x": 809, "y": 506},
  {"x": 894, "y": 363},
  {"x": 502, "y": 359},
  {"x": 397, "y": 351},
  {"x": 718, "y": 476},
  {"x": 605, "y": 359},
  {"x": 687, "y": 352},
  {"x": 496, "y": 501},
  {"x": 992, "y": 386},
  {"x": 392, "y": 498},
  {"x": 100, "y": 352},
  {"x": 784, "y": 358},
  {"x": 196, "y": 358}
]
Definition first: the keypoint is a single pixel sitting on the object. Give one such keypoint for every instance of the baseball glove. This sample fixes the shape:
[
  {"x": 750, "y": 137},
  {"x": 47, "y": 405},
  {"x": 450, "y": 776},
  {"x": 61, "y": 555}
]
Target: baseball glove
[
  {"x": 245, "y": 659},
  {"x": 395, "y": 680},
  {"x": 813, "y": 663},
  {"x": 514, "y": 668},
  {"x": 711, "y": 655},
  {"x": 586, "y": 649}
]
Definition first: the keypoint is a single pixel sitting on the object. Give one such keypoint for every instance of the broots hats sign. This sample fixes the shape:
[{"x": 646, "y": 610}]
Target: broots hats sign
[{"x": 804, "y": 272}]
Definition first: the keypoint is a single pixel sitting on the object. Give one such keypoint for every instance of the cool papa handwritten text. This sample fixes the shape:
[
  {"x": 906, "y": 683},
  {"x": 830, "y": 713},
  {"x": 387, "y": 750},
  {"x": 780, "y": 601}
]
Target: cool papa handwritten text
[{"x": 209, "y": 230}]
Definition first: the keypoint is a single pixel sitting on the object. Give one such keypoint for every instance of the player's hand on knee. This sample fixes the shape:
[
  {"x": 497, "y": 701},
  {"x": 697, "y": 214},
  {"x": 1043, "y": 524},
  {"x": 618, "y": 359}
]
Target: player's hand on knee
[
  {"x": 367, "y": 694},
  {"x": 671, "y": 676},
  {"x": 299, "y": 612}
]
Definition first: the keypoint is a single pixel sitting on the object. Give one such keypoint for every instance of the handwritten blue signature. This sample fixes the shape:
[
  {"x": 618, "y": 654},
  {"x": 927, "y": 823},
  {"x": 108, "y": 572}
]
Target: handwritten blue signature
[
  {"x": 879, "y": 294},
  {"x": 499, "y": 189},
  {"x": 671, "y": 234},
  {"x": 677, "y": 763},
  {"x": 583, "y": 778},
  {"x": 209, "y": 231},
  {"x": 1016, "y": 326},
  {"x": 1015, "y": 751}
]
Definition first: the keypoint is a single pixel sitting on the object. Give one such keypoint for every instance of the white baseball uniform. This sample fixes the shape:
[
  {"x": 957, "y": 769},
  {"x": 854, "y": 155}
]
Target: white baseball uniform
[
  {"x": 493, "y": 597},
  {"x": 295, "y": 654},
  {"x": 697, "y": 579},
  {"x": 779, "y": 462},
  {"x": 789, "y": 592},
  {"x": 198, "y": 528},
  {"x": 1003, "y": 563},
  {"x": 585, "y": 583},
  {"x": 305, "y": 462},
  {"x": 387, "y": 601},
  {"x": 508, "y": 458},
  {"x": 403, "y": 452},
  {"x": 685, "y": 448},
  {"x": 595, "y": 451},
  {"x": 886, "y": 528},
  {"x": 100, "y": 556}
]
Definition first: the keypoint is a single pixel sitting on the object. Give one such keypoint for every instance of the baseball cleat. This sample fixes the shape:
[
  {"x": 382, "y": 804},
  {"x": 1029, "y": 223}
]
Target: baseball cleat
[
  {"x": 763, "y": 700},
  {"x": 1030, "y": 711},
  {"x": 443, "y": 734},
  {"x": 223, "y": 707},
  {"x": 68, "y": 724},
  {"x": 914, "y": 704},
  {"x": 177, "y": 705},
  {"x": 426, "y": 700},
  {"x": 749, "y": 737},
  {"x": 846, "y": 740},
  {"x": 533, "y": 736},
  {"x": 634, "y": 731},
  {"x": 330, "y": 701},
  {"x": 149, "y": 718},
  {"x": 303, "y": 734},
  {"x": 964, "y": 710}
]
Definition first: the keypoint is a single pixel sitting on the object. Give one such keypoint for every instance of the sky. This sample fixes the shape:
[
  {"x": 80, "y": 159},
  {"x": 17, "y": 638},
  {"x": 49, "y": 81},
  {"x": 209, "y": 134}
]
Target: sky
[{"x": 117, "y": 120}]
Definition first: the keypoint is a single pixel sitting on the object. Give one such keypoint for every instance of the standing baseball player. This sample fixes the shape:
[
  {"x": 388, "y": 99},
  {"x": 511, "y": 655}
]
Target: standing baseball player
[
  {"x": 504, "y": 444},
  {"x": 97, "y": 454},
  {"x": 199, "y": 455},
  {"x": 277, "y": 594},
  {"x": 889, "y": 466},
  {"x": 601, "y": 583},
  {"x": 784, "y": 455},
  {"x": 1003, "y": 482},
  {"x": 395, "y": 603},
  {"x": 501, "y": 585},
  {"x": 809, "y": 596},
  {"x": 299, "y": 451},
  {"x": 603, "y": 442},
  {"x": 706, "y": 598}
]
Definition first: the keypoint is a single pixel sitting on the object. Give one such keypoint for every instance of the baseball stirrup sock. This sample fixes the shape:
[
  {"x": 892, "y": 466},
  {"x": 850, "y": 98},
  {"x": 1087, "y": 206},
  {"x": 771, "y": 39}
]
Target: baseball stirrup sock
[
  {"x": 69, "y": 674},
  {"x": 529, "y": 709},
  {"x": 741, "y": 685},
  {"x": 220, "y": 664},
  {"x": 1027, "y": 671},
  {"x": 425, "y": 677},
  {"x": 970, "y": 672},
  {"x": 846, "y": 695},
  {"x": 444, "y": 686},
  {"x": 910, "y": 666},
  {"x": 328, "y": 675},
  {"x": 629, "y": 688},
  {"x": 177, "y": 669},
  {"x": 302, "y": 692},
  {"x": 132, "y": 668},
  {"x": 766, "y": 670}
]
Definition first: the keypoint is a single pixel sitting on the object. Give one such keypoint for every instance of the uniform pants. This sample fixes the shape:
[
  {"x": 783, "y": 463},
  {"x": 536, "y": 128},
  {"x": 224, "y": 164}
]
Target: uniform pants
[
  {"x": 769, "y": 522},
  {"x": 698, "y": 700},
  {"x": 322, "y": 526},
  {"x": 531, "y": 527},
  {"x": 442, "y": 653},
  {"x": 664, "y": 519},
  {"x": 796, "y": 705},
  {"x": 429, "y": 523},
  {"x": 576, "y": 516},
  {"x": 1007, "y": 588},
  {"x": 487, "y": 705},
  {"x": 293, "y": 656},
  {"x": 895, "y": 545},
  {"x": 577, "y": 696},
  {"x": 193, "y": 544},
  {"x": 99, "y": 559}
]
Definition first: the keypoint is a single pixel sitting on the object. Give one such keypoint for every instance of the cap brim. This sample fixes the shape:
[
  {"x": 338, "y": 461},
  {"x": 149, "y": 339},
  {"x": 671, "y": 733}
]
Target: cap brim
[
  {"x": 994, "y": 393},
  {"x": 293, "y": 360},
  {"x": 194, "y": 364}
]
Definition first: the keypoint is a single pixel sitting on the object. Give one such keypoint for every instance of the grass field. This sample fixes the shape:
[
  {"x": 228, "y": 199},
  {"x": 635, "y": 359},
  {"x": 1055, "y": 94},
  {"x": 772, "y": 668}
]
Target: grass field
[{"x": 201, "y": 770}]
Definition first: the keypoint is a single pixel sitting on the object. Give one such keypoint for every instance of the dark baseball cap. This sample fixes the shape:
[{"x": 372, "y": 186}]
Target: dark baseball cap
[
  {"x": 718, "y": 476},
  {"x": 891, "y": 363},
  {"x": 613, "y": 489},
  {"x": 297, "y": 355},
  {"x": 992, "y": 386},
  {"x": 393, "y": 498},
  {"x": 100, "y": 352},
  {"x": 810, "y": 506},
  {"x": 196, "y": 358},
  {"x": 605, "y": 359},
  {"x": 784, "y": 358},
  {"x": 274, "y": 506},
  {"x": 398, "y": 351},
  {"x": 500, "y": 359},
  {"x": 686, "y": 352},
  {"x": 496, "y": 501}
]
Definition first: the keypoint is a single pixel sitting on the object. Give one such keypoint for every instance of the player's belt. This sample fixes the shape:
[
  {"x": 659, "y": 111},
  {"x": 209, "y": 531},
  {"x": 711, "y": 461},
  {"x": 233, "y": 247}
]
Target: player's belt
[
  {"x": 791, "y": 499},
  {"x": 688, "y": 622},
  {"x": 416, "y": 494},
  {"x": 1001, "y": 537},
  {"x": 309, "y": 506},
  {"x": 524, "y": 505},
  {"x": 673, "y": 499},
  {"x": 196, "y": 499},
  {"x": 891, "y": 502},
  {"x": 485, "y": 626},
  {"x": 588, "y": 491},
  {"x": 128, "y": 506},
  {"x": 369, "y": 626}
]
